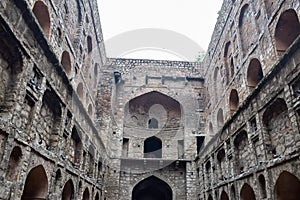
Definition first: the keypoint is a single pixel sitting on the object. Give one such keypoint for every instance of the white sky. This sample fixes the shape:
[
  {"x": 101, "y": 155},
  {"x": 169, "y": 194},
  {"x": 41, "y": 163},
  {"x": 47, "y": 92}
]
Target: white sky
[{"x": 194, "y": 19}]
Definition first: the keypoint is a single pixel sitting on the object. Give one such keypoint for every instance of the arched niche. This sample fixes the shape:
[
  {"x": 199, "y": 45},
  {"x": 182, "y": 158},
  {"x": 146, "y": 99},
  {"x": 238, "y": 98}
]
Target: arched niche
[
  {"x": 86, "y": 194},
  {"x": 152, "y": 188},
  {"x": 66, "y": 62},
  {"x": 254, "y": 72},
  {"x": 80, "y": 91},
  {"x": 220, "y": 118},
  {"x": 287, "y": 187},
  {"x": 247, "y": 193},
  {"x": 287, "y": 30},
  {"x": 77, "y": 146},
  {"x": 224, "y": 196},
  {"x": 233, "y": 100},
  {"x": 13, "y": 164},
  {"x": 40, "y": 10},
  {"x": 36, "y": 184},
  {"x": 89, "y": 44},
  {"x": 262, "y": 186},
  {"x": 153, "y": 105},
  {"x": 246, "y": 28},
  {"x": 68, "y": 191}
]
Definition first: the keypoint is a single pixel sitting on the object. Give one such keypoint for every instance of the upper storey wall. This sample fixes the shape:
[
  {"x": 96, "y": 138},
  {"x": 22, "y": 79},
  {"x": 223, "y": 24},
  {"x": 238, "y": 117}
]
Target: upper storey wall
[{"x": 249, "y": 38}]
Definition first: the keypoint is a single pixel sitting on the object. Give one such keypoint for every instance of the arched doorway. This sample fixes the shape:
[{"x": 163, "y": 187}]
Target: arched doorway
[
  {"x": 287, "y": 187},
  {"x": 68, "y": 191},
  {"x": 247, "y": 192},
  {"x": 36, "y": 184},
  {"x": 152, "y": 188},
  {"x": 152, "y": 148}
]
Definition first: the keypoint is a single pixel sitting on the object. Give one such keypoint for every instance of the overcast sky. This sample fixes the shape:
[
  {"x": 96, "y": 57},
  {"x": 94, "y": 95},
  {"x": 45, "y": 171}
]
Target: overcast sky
[{"x": 140, "y": 21}]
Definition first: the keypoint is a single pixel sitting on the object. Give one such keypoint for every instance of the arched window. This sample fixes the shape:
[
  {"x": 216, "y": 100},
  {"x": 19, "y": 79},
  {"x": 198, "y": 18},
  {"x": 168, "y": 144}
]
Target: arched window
[
  {"x": 152, "y": 123},
  {"x": 68, "y": 191},
  {"x": 233, "y": 100},
  {"x": 80, "y": 90},
  {"x": 40, "y": 10},
  {"x": 287, "y": 30},
  {"x": 247, "y": 192},
  {"x": 13, "y": 164},
  {"x": 66, "y": 62},
  {"x": 287, "y": 187},
  {"x": 152, "y": 148},
  {"x": 254, "y": 73},
  {"x": 36, "y": 184}
]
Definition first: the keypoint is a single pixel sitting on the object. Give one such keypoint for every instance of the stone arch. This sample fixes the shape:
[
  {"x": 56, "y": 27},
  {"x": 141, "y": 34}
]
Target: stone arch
[
  {"x": 57, "y": 180},
  {"x": 152, "y": 123},
  {"x": 86, "y": 194},
  {"x": 80, "y": 91},
  {"x": 68, "y": 190},
  {"x": 227, "y": 54},
  {"x": 210, "y": 197},
  {"x": 153, "y": 147},
  {"x": 276, "y": 121},
  {"x": 152, "y": 188},
  {"x": 221, "y": 164},
  {"x": 262, "y": 185},
  {"x": 254, "y": 72},
  {"x": 246, "y": 28},
  {"x": 233, "y": 100},
  {"x": 167, "y": 110},
  {"x": 247, "y": 192},
  {"x": 66, "y": 62},
  {"x": 216, "y": 83},
  {"x": 220, "y": 118},
  {"x": 287, "y": 30},
  {"x": 13, "y": 163},
  {"x": 224, "y": 196},
  {"x": 36, "y": 184},
  {"x": 287, "y": 187},
  {"x": 89, "y": 42},
  {"x": 40, "y": 10}
]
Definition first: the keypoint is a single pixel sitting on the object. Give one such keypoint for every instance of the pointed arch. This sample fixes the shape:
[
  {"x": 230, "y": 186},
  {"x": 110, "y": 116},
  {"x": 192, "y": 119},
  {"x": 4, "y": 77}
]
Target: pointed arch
[
  {"x": 152, "y": 188},
  {"x": 86, "y": 194},
  {"x": 287, "y": 30},
  {"x": 68, "y": 190},
  {"x": 287, "y": 187},
  {"x": 13, "y": 163},
  {"x": 220, "y": 118},
  {"x": 247, "y": 193},
  {"x": 40, "y": 10},
  {"x": 36, "y": 184},
  {"x": 262, "y": 185},
  {"x": 224, "y": 196}
]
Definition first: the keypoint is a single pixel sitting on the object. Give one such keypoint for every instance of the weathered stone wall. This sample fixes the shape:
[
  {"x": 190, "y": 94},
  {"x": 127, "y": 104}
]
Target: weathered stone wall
[
  {"x": 256, "y": 144},
  {"x": 44, "y": 58}
]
